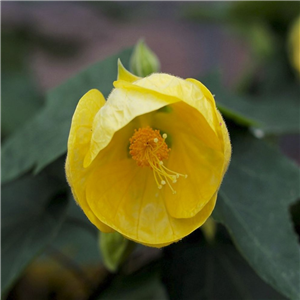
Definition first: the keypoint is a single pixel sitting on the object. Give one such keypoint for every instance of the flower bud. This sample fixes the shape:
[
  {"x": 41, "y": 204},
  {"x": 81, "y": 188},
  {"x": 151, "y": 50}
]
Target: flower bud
[
  {"x": 143, "y": 60},
  {"x": 209, "y": 229},
  {"x": 115, "y": 249}
]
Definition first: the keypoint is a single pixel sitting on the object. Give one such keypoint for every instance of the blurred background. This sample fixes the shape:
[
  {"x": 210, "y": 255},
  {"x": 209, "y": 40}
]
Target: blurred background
[
  {"x": 52, "y": 41},
  {"x": 45, "y": 43}
]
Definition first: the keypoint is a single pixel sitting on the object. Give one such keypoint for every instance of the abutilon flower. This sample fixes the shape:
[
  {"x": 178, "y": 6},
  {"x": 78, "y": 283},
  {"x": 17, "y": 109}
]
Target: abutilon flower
[{"x": 149, "y": 161}]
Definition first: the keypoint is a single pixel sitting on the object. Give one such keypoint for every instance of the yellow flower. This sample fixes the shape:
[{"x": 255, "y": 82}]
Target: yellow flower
[
  {"x": 294, "y": 45},
  {"x": 149, "y": 161}
]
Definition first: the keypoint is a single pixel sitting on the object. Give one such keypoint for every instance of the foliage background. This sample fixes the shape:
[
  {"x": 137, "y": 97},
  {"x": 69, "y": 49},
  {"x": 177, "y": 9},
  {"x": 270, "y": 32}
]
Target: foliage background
[{"x": 237, "y": 49}]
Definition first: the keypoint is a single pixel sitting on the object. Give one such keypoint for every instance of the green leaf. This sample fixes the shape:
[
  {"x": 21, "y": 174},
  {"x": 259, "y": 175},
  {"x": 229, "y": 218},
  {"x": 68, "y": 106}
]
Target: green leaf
[
  {"x": 253, "y": 204},
  {"x": 20, "y": 100},
  {"x": 273, "y": 113},
  {"x": 144, "y": 284},
  {"x": 78, "y": 237},
  {"x": 192, "y": 269},
  {"x": 32, "y": 213},
  {"x": 44, "y": 138}
]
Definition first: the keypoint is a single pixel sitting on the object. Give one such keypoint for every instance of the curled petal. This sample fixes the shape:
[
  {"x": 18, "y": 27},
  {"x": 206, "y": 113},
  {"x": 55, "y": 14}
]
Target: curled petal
[
  {"x": 78, "y": 145},
  {"x": 130, "y": 100},
  {"x": 125, "y": 75}
]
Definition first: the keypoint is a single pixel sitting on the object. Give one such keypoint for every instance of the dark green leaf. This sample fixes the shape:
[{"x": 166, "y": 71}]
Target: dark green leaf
[
  {"x": 144, "y": 285},
  {"x": 32, "y": 213},
  {"x": 192, "y": 269},
  {"x": 20, "y": 100},
  {"x": 254, "y": 202},
  {"x": 78, "y": 237},
  {"x": 275, "y": 113},
  {"x": 44, "y": 138}
]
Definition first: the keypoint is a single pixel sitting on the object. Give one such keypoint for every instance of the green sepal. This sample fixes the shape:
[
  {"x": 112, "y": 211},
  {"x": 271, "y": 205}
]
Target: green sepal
[{"x": 115, "y": 249}]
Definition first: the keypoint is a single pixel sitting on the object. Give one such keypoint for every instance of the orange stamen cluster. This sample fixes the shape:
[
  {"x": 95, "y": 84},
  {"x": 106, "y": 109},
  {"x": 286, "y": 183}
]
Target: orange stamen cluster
[{"x": 148, "y": 148}]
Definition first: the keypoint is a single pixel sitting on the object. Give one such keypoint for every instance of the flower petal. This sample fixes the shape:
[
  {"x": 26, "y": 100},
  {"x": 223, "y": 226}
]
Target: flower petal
[
  {"x": 122, "y": 106},
  {"x": 212, "y": 111},
  {"x": 129, "y": 100},
  {"x": 124, "y": 74},
  {"x": 183, "y": 227},
  {"x": 227, "y": 144},
  {"x": 190, "y": 155},
  {"x": 189, "y": 91},
  {"x": 78, "y": 145},
  {"x": 126, "y": 198}
]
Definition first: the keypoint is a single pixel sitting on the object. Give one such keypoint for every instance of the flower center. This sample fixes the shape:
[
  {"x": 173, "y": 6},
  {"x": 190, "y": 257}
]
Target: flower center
[{"x": 148, "y": 148}]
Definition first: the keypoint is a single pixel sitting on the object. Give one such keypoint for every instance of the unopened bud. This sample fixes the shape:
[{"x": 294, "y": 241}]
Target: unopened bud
[
  {"x": 143, "y": 60},
  {"x": 115, "y": 249},
  {"x": 209, "y": 229}
]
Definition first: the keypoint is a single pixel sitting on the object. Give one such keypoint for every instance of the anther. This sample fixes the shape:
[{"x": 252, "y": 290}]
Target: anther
[{"x": 148, "y": 148}]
